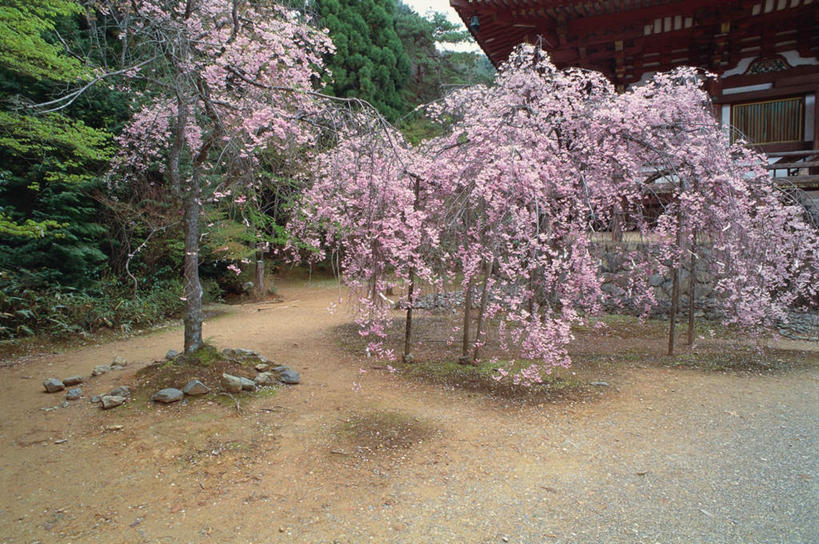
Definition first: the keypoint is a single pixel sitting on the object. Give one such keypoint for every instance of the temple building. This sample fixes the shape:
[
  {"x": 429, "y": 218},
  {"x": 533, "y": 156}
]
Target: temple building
[{"x": 765, "y": 53}]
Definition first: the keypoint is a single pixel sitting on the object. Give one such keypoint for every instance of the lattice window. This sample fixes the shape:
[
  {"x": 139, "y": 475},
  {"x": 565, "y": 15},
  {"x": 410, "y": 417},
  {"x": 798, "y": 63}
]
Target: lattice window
[{"x": 769, "y": 122}]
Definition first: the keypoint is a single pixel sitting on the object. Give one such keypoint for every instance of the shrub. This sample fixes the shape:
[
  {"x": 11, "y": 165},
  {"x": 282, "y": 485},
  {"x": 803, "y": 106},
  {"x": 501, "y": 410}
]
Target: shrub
[{"x": 64, "y": 311}]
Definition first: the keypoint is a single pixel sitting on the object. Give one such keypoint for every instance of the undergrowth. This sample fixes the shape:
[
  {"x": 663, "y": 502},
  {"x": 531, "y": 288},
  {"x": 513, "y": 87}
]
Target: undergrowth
[{"x": 60, "y": 312}]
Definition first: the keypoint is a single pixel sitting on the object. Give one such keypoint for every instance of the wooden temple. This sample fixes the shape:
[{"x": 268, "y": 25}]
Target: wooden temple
[{"x": 765, "y": 52}]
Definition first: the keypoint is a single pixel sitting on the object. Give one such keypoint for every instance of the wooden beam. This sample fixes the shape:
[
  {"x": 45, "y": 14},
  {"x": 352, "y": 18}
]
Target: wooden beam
[
  {"x": 798, "y": 181},
  {"x": 792, "y": 165},
  {"x": 793, "y": 90}
]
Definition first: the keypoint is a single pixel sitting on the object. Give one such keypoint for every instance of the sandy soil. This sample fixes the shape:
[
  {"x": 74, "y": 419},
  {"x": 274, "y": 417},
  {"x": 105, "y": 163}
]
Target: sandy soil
[{"x": 665, "y": 455}]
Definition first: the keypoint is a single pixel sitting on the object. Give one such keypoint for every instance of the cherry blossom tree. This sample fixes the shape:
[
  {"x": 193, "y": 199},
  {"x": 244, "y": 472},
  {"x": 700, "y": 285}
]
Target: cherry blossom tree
[
  {"x": 521, "y": 184},
  {"x": 369, "y": 207},
  {"x": 221, "y": 80},
  {"x": 719, "y": 208}
]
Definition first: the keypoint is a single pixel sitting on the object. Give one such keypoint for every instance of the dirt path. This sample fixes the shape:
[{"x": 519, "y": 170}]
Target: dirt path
[{"x": 665, "y": 456}]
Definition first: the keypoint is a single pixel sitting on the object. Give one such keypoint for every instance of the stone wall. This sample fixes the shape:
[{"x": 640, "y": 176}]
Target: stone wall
[{"x": 616, "y": 271}]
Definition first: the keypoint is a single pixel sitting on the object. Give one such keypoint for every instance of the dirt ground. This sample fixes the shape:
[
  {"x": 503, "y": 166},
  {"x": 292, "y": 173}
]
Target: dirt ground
[{"x": 659, "y": 455}]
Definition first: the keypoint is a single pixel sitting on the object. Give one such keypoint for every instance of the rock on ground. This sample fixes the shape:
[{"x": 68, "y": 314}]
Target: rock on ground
[
  {"x": 99, "y": 370},
  {"x": 112, "y": 401},
  {"x": 265, "y": 378},
  {"x": 248, "y": 384},
  {"x": 73, "y": 380},
  {"x": 172, "y": 354},
  {"x": 231, "y": 384},
  {"x": 119, "y": 362},
  {"x": 289, "y": 376},
  {"x": 121, "y": 391},
  {"x": 73, "y": 394},
  {"x": 195, "y": 387},
  {"x": 168, "y": 395},
  {"x": 53, "y": 385}
]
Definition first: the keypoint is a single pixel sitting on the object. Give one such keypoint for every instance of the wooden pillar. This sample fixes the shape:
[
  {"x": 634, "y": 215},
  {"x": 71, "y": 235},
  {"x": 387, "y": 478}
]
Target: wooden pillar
[
  {"x": 619, "y": 66},
  {"x": 815, "y": 126}
]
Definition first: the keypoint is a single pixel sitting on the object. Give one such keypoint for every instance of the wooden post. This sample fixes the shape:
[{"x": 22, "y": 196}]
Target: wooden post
[
  {"x": 482, "y": 312},
  {"x": 258, "y": 288},
  {"x": 416, "y": 203},
  {"x": 408, "y": 329},
  {"x": 675, "y": 288},
  {"x": 464, "y": 358},
  {"x": 692, "y": 289}
]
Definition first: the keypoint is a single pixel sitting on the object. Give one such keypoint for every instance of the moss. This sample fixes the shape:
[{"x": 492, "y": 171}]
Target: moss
[
  {"x": 745, "y": 360},
  {"x": 205, "y": 356}
]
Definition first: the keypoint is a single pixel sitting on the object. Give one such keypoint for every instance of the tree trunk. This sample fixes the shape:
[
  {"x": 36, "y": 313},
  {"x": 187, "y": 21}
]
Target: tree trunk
[
  {"x": 481, "y": 314},
  {"x": 258, "y": 284},
  {"x": 408, "y": 328},
  {"x": 692, "y": 288},
  {"x": 675, "y": 289},
  {"x": 675, "y": 303},
  {"x": 464, "y": 358},
  {"x": 193, "y": 289},
  {"x": 416, "y": 203}
]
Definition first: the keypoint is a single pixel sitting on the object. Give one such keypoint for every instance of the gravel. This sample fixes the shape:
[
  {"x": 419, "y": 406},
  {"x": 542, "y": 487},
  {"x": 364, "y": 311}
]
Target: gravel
[{"x": 694, "y": 457}]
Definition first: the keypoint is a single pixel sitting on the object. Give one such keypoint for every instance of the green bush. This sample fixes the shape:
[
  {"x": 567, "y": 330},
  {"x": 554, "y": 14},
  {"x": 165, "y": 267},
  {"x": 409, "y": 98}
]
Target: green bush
[{"x": 63, "y": 311}]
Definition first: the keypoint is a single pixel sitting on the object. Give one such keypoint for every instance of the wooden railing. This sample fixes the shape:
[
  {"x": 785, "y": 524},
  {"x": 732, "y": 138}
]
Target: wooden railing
[{"x": 799, "y": 165}]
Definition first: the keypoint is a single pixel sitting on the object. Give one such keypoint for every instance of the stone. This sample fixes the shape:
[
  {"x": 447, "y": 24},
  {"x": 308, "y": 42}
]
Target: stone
[
  {"x": 53, "y": 385},
  {"x": 289, "y": 376},
  {"x": 242, "y": 352},
  {"x": 96, "y": 399},
  {"x": 99, "y": 370},
  {"x": 279, "y": 369},
  {"x": 248, "y": 286},
  {"x": 599, "y": 384},
  {"x": 73, "y": 380},
  {"x": 261, "y": 367},
  {"x": 248, "y": 384},
  {"x": 64, "y": 404},
  {"x": 172, "y": 354},
  {"x": 168, "y": 395},
  {"x": 121, "y": 391},
  {"x": 228, "y": 352},
  {"x": 195, "y": 387},
  {"x": 231, "y": 384},
  {"x": 119, "y": 362},
  {"x": 613, "y": 290},
  {"x": 73, "y": 394},
  {"x": 264, "y": 378},
  {"x": 112, "y": 401}
]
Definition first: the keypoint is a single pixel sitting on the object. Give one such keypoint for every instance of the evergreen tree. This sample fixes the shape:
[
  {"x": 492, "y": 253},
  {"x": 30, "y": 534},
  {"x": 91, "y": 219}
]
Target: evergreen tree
[
  {"x": 47, "y": 162},
  {"x": 434, "y": 69},
  {"x": 370, "y": 62}
]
